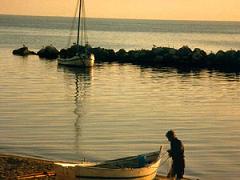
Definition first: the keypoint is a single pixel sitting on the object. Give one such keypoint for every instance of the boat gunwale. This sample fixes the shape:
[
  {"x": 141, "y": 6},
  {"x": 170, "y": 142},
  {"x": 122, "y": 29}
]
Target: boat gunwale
[{"x": 98, "y": 166}]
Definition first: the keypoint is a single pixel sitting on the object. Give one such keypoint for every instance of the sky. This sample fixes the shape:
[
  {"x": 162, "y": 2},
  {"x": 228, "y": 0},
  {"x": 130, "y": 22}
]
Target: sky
[{"x": 220, "y": 10}]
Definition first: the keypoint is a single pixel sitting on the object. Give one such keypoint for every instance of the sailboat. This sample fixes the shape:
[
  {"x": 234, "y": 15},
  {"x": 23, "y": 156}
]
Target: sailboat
[{"x": 78, "y": 55}]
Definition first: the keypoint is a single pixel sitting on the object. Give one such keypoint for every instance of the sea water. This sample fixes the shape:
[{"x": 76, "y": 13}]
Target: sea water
[
  {"x": 36, "y": 32},
  {"x": 116, "y": 110}
]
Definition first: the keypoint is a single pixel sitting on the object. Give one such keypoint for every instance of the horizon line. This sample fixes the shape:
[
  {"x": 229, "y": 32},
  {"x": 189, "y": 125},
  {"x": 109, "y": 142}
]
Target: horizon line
[{"x": 113, "y": 18}]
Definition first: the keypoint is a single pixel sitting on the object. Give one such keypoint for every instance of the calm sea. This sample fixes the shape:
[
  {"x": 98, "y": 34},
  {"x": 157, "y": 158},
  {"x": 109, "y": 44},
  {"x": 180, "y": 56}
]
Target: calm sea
[{"x": 116, "y": 110}]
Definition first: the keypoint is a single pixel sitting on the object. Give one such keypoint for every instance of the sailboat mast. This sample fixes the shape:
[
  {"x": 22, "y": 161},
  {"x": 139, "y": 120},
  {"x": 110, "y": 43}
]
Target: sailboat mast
[{"x": 79, "y": 22}]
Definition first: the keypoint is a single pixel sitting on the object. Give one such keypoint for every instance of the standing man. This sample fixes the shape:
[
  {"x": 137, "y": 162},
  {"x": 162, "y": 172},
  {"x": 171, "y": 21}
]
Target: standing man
[{"x": 177, "y": 154}]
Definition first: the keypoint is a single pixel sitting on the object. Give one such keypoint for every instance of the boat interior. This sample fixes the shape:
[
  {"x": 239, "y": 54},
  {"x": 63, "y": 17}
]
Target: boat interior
[{"x": 139, "y": 161}]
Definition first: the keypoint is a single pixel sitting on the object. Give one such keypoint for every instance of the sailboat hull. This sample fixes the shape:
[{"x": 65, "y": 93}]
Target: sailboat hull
[{"x": 79, "y": 61}]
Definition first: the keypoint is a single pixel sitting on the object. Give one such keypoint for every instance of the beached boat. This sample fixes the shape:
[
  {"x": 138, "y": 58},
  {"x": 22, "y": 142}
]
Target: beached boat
[
  {"x": 81, "y": 57},
  {"x": 140, "y": 167}
]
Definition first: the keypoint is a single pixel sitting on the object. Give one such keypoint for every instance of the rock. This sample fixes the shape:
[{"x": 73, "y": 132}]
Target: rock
[
  {"x": 158, "y": 59},
  {"x": 48, "y": 52},
  {"x": 231, "y": 54},
  {"x": 158, "y": 51},
  {"x": 121, "y": 55},
  {"x": 172, "y": 52},
  {"x": 183, "y": 57},
  {"x": 23, "y": 51},
  {"x": 102, "y": 54},
  {"x": 72, "y": 51},
  {"x": 198, "y": 54},
  {"x": 220, "y": 54},
  {"x": 184, "y": 51}
]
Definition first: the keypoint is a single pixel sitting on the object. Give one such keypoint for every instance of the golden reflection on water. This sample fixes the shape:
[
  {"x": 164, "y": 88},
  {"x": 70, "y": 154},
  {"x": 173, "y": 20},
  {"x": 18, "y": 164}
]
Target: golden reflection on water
[{"x": 82, "y": 78}]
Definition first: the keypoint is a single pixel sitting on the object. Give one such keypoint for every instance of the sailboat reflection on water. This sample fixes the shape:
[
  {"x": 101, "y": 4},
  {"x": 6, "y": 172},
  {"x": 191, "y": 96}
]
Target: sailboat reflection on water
[
  {"x": 77, "y": 82},
  {"x": 82, "y": 83}
]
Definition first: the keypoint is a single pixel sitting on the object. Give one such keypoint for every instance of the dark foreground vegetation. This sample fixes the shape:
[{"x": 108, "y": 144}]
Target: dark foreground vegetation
[{"x": 183, "y": 57}]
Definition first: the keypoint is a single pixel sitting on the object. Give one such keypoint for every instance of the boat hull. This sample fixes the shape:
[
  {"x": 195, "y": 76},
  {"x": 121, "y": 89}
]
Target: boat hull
[
  {"x": 88, "y": 173},
  {"x": 79, "y": 61},
  {"x": 121, "y": 169}
]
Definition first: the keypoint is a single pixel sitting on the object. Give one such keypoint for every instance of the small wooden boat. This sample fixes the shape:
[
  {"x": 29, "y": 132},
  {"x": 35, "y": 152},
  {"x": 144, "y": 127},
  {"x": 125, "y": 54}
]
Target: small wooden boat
[{"x": 140, "y": 167}]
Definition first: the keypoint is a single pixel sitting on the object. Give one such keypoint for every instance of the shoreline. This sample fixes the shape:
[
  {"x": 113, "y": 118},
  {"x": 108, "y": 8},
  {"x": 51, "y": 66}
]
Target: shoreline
[{"x": 27, "y": 167}]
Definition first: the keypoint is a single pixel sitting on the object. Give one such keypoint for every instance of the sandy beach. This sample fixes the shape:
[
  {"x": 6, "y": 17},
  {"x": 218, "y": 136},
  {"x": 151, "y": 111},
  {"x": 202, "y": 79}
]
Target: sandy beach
[{"x": 16, "y": 167}]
